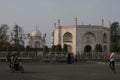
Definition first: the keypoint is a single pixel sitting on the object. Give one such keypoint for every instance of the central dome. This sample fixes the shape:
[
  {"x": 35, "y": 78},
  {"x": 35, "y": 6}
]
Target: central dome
[{"x": 35, "y": 33}]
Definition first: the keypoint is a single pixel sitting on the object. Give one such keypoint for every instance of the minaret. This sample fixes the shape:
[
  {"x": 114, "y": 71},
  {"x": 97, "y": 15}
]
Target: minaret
[
  {"x": 102, "y": 32},
  {"x": 52, "y": 37},
  {"x": 59, "y": 32},
  {"x": 109, "y": 23},
  {"x": 75, "y": 21},
  {"x": 109, "y": 34},
  {"x": 15, "y": 31},
  {"x": 58, "y": 22},
  {"x": 102, "y": 22},
  {"x": 54, "y": 24}
]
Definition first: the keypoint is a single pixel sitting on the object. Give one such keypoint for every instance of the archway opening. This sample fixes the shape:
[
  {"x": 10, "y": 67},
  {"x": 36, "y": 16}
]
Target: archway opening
[
  {"x": 88, "y": 49},
  {"x": 37, "y": 44},
  {"x": 105, "y": 48},
  {"x": 67, "y": 37},
  {"x": 69, "y": 48}
]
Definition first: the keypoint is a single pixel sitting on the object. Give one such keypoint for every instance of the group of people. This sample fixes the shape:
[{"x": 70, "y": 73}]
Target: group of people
[
  {"x": 112, "y": 59},
  {"x": 13, "y": 60}
]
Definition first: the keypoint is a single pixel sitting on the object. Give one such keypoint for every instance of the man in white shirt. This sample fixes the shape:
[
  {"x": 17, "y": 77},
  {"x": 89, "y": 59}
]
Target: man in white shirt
[{"x": 112, "y": 61}]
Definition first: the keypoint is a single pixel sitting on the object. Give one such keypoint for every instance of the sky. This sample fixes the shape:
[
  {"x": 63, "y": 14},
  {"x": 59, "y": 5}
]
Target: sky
[{"x": 44, "y": 13}]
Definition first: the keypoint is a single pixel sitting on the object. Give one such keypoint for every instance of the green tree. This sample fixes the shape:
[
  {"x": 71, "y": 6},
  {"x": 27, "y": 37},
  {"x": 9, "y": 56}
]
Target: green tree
[
  {"x": 45, "y": 49},
  {"x": 115, "y": 37},
  {"x": 98, "y": 48},
  {"x": 113, "y": 47},
  {"x": 65, "y": 49},
  {"x": 114, "y": 31},
  {"x": 52, "y": 50},
  {"x": 58, "y": 49}
]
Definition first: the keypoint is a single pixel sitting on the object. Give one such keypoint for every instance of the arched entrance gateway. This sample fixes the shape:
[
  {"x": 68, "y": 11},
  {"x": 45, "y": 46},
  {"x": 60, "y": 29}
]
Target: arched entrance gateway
[
  {"x": 82, "y": 38},
  {"x": 67, "y": 39},
  {"x": 87, "y": 49}
]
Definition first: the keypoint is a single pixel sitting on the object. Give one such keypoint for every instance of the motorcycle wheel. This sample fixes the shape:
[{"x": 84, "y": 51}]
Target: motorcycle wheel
[{"x": 21, "y": 69}]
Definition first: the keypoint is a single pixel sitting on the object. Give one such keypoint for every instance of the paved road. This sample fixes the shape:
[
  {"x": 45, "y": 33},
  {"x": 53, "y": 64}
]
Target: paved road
[{"x": 62, "y": 71}]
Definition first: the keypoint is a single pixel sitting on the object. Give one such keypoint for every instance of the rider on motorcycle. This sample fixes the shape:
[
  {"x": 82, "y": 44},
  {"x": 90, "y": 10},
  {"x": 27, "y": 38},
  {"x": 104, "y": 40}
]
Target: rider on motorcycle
[{"x": 14, "y": 61}]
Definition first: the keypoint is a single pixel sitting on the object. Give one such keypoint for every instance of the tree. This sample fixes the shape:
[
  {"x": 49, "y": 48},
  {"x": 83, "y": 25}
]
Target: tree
[
  {"x": 18, "y": 36},
  {"x": 45, "y": 49},
  {"x": 4, "y": 37},
  {"x": 113, "y": 47},
  {"x": 58, "y": 49},
  {"x": 115, "y": 31},
  {"x": 65, "y": 48},
  {"x": 98, "y": 48},
  {"x": 115, "y": 37},
  {"x": 52, "y": 50}
]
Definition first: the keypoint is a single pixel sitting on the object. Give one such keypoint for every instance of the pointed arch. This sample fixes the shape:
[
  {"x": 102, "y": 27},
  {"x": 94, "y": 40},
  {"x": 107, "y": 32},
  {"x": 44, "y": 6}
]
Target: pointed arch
[
  {"x": 104, "y": 48},
  {"x": 89, "y": 38},
  {"x": 67, "y": 37},
  {"x": 88, "y": 49},
  {"x": 37, "y": 44},
  {"x": 104, "y": 38},
  {"x": 69, "y": 48}
]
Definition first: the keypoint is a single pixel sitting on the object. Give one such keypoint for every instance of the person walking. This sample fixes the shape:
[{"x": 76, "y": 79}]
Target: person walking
[{"x": 112, "y": 61}]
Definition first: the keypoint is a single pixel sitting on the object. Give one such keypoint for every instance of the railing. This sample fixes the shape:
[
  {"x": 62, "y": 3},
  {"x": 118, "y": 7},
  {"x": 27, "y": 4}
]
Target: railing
[{"x": 57, "y": 56}]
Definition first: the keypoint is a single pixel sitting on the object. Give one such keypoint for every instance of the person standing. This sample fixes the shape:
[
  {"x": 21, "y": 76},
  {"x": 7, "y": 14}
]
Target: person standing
[
  {"x": 69, "y": 58},
  {"x": 112, "y": 61}
]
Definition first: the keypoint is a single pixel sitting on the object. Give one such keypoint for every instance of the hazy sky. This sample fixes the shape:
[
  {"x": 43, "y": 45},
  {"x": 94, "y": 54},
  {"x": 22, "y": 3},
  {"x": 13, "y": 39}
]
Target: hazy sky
[{"x": 44, "y": 13}]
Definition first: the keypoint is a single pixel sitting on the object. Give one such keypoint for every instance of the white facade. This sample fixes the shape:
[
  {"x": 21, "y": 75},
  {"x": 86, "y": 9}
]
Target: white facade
[
  {"x": 36, "y": 40},
  {"x": 81, "y": 38}
]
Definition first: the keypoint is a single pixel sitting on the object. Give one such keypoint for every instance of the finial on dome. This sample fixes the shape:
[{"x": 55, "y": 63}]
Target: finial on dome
[{"x": 36, "y": 33}]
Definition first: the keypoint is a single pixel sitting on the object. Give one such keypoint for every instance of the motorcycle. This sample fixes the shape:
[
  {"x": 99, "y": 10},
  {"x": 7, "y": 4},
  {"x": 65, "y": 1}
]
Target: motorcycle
[{"x": 16, "y": 67}]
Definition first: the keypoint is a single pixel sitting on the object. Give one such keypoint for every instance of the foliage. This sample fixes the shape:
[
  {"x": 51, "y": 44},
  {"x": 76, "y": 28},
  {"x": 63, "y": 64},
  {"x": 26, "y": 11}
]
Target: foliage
[
  {"x": 98, "y": 48},
  {"x": 115, "y": 31},
  {"x": 58, "y": 49},
  {"x": 113, "y": 47},
  {"x": 115, "y": 37},
  {"x": 45, "y": 49},
  {"x": 4, "y": 38},
  {"x": 52, "y": 50},
  {"x": 65, "y": 48},
  {"x": 17, "y": 36}
]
